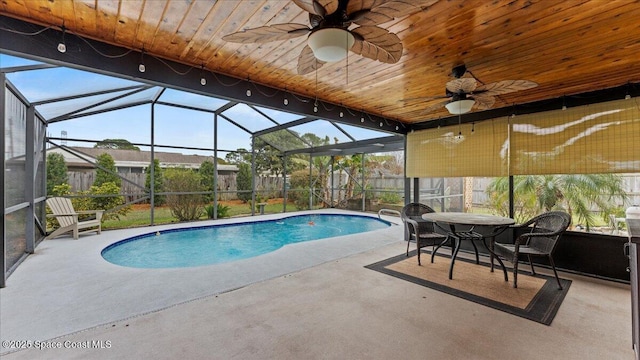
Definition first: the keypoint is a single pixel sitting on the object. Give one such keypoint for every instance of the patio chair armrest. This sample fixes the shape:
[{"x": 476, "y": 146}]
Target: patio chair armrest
[
  {"x": 98, "y": 213},
  {"x": 537, "y": 234},
  {"x": 412, "y": 223},
  {"x": 69, "y": 214}
]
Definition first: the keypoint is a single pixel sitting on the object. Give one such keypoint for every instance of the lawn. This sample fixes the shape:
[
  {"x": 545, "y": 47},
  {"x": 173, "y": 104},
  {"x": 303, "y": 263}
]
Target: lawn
[{"x": 140, "y": 215}]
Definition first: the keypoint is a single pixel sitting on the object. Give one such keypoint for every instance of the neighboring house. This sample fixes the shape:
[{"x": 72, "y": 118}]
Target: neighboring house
[
  {"x": 133, "y": 161},
  {"x": 131, "y": 166}
]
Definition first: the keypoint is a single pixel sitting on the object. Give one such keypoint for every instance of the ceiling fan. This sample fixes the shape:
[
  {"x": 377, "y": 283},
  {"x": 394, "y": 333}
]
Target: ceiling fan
[
  {"x": 332, "y": 33},
  {"x": 463, "y": 94}
]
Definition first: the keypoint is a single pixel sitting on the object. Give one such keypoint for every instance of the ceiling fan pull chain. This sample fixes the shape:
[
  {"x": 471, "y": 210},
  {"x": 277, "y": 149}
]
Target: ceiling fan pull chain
[
  {"x": 315, "y": 103},
  {"x": 347, "y": 57}
]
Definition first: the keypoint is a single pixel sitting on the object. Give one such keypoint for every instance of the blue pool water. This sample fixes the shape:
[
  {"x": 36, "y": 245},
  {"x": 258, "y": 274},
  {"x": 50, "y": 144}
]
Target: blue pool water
[{"x": 215, "y": 244}]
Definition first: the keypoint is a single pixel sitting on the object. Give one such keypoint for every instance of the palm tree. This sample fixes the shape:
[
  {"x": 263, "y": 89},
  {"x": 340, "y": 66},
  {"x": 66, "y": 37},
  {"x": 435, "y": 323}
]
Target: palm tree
[{"x": 577, "y": 194}]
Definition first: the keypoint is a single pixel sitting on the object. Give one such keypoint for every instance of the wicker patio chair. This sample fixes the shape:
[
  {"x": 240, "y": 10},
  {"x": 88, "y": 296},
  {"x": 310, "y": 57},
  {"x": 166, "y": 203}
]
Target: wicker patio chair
[
  {"x": 419, "y": 230},
  {"x": 540, "y": 240}
]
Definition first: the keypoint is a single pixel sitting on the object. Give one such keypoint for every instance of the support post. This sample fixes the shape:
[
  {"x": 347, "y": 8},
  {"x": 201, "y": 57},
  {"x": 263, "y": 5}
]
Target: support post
[
  {"x": 152, "y": 166},
  {"x": 29, "y": 174},
  {"x": 407, "y": 190},
  {"x": 215, "y": 166},
  {"x": 3, "y": 259},
  {"x": 284, "y": 183},
  {"x": 511, "y": 199},
  {"x": 310, "y": 181},
  {"x": 253, "y": 175},
  {"x": 407, "y": 180},
  {"x": 331, "y": 181},
  {"x": 364, "y": 207}
]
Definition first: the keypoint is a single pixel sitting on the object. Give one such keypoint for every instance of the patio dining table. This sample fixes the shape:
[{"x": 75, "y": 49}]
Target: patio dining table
[{"x": 451, "y": 219}]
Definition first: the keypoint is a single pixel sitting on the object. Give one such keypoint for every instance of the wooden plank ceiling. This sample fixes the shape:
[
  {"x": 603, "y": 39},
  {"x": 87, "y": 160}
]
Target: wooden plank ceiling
[{"x": 567, "y": 47}]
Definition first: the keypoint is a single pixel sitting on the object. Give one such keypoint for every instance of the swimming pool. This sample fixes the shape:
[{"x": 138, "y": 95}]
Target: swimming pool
[{"x": 214, "y": 244}]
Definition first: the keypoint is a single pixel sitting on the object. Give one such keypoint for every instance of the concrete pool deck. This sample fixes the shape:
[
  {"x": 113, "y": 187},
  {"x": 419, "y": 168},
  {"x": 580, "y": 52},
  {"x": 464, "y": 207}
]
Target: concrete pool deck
[
  {"x": 66, "y": 286},
  {"x": 307, "y": 300}
]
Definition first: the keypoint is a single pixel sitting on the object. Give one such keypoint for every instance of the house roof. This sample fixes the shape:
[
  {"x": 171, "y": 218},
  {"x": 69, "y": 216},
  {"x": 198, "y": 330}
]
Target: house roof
[{"x": 135, "y": 158}]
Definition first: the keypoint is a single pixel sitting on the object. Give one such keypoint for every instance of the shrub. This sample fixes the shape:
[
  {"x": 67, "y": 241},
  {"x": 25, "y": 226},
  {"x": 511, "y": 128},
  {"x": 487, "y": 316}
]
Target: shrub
[
  {"x": 207, "y": 175},
  {"x": 185, "y": 207},
  {"x": 109, "y": 201},
  {"x": 105, "y": 202},
  {"x": 243, "y": 182},
  {"x": 222, "y": 210},
  {"x": 60, "y": 190},
  {"x": 158, "y": 183},
  {"x": 56, "y": 171},
  {"x": 300, "y": 188},
  {"x": 390, "y": 198}
]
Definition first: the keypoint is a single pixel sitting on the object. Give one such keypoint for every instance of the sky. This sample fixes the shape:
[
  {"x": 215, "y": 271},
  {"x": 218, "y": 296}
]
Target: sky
[{"x": 173, "y": 126}]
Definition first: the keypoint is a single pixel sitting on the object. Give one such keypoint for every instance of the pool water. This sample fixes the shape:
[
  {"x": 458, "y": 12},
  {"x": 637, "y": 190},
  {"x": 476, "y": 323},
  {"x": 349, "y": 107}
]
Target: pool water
[{"x": 216, "y": 244}]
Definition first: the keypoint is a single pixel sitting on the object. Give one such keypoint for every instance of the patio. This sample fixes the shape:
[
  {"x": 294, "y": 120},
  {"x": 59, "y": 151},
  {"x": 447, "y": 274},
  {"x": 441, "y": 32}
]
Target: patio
[
  {"x": 296, "y": 302},
  {"x": 316, "y": 299}
]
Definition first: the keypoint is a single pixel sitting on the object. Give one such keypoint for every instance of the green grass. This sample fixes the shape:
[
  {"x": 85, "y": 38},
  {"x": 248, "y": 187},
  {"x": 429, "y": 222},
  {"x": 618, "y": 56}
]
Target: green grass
[{"x": 162, "y": 215}]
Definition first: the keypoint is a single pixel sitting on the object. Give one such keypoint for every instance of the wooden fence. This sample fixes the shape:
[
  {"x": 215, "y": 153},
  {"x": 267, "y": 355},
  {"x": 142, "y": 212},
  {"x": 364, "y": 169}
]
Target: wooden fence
[
  {"x": 271, "y": 187},
  {"x": 133, "y": 184}
]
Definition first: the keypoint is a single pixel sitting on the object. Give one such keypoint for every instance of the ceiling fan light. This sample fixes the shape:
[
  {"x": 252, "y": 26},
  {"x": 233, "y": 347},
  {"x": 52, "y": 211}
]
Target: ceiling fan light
[
  {"x": 460, "y": 106},
  {"x": 330, "y": 44}
]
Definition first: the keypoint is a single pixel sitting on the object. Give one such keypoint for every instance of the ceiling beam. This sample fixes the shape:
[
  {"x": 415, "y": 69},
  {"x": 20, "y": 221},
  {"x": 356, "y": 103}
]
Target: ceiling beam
[
  {"x": 383, "y": 144},
  {"x": 592, "y": 97}
]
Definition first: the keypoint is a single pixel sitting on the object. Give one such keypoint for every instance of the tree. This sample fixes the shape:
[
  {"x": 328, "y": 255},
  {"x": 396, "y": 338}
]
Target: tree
[
  {"x": 238, "y": 157},
  {"x": 207, "y": 176},
  {"x": 393, "y": 162},
  {"x": 121, "y": 144},
  {"x": 243, "y": 182},
  {"x": 268, "y": 158},
  {"x": 158, "y": 182},
  {"x": 575, "y": 193},
  {"x": 106, "y": 171},
  {"x": 56, "y": 171},
  {"x": 185, "y": 207},
  {"x": 352, "y": 165}
]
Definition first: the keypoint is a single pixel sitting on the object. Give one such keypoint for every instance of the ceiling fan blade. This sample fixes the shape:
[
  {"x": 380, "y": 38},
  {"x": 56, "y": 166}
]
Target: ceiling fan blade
[
  {"x": 268, "y": 33},
  {"x": 483, "y": 101},
  {"x": 462, "y": 85},
  {"x": 374, "y": 12},
  {"x": 436, "y": 106},
  {"x": 307, "y": 62},
  {"x": 330, "y": 6},
  {"x": 506, "y": 86},
  {"x": 377, "y": 43},
  {"x": 312, "y": 7}
]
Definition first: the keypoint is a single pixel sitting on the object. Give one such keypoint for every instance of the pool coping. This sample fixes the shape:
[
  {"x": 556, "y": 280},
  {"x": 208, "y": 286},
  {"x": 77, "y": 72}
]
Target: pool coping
[{"x": 67, "y": 287}]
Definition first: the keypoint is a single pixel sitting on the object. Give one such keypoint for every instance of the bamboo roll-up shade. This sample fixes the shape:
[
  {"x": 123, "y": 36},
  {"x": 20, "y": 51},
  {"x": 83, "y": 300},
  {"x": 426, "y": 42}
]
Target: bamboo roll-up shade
[
  {"x": 482, "y": 150},
  {"x": 590, "y": 139}
]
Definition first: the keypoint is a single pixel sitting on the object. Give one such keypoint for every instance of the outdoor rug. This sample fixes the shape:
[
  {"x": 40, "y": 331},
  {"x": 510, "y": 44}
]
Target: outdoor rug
[{"x": 536, "y": 298}]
